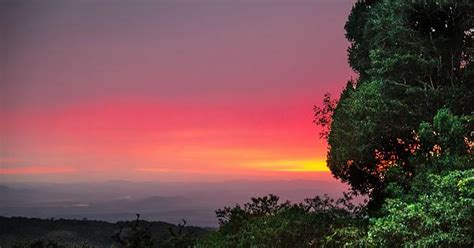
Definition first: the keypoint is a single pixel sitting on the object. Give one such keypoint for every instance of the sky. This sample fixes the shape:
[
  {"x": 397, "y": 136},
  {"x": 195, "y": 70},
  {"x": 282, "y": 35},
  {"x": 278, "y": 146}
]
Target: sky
[{"x": 167, "y": 90}]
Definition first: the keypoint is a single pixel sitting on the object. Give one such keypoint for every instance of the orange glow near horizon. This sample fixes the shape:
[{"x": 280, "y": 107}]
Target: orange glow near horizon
[
  {"x": 117, "y": 139},
  {"x": 294, "y": 165}
]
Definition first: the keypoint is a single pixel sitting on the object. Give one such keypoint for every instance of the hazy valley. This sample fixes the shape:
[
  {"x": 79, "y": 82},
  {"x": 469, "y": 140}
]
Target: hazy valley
[{"x": 155, "y": 201}]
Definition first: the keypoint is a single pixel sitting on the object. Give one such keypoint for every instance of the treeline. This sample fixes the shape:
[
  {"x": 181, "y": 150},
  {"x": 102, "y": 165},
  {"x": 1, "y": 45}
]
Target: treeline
[{"x": 20, "y": 232}]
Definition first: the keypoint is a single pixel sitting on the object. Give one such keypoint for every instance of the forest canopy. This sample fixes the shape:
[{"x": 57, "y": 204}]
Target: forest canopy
[{"x": 414, "y": 60}]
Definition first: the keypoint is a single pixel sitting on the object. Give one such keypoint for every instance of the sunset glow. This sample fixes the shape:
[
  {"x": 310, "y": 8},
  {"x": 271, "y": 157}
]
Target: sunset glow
[{"x": 189, "y": 93}]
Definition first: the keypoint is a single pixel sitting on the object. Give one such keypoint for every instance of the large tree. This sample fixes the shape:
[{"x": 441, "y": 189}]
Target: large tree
[{"x": 413, "y": 58}]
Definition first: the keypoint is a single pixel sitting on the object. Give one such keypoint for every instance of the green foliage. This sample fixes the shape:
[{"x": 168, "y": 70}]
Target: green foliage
[
  {"x": 435, "y": 207},
  {"x": 403, "y": 132},
  {"x": 413, "y": 58},
  {"x": 424, "y": 43},
  {"x": 265, "y": 222},
  {"x": 437, "y": 213},
  {"x": 360, "y": 46},
  {"x": 447, "y": 135}
]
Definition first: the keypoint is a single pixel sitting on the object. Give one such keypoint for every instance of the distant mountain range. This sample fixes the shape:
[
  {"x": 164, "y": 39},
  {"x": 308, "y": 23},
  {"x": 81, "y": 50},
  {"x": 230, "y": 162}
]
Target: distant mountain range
[{"x": 155, "y": 201}]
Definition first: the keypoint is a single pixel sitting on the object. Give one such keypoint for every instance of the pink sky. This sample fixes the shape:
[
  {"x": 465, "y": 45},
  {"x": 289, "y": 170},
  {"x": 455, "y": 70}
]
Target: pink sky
[{"x": 171, "y": 90}]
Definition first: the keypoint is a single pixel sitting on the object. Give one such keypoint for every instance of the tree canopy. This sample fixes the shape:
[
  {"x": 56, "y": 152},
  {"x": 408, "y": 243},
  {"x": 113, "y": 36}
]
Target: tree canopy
[{"x": 413, "y": 58}]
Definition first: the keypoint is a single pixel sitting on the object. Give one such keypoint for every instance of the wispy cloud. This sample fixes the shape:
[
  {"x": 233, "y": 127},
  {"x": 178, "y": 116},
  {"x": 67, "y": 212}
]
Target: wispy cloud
[{"x": 33, "y": 170}]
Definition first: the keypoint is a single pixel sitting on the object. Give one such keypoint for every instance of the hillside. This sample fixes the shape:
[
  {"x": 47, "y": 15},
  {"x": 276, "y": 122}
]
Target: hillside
[{"x": 73, "y": 232}]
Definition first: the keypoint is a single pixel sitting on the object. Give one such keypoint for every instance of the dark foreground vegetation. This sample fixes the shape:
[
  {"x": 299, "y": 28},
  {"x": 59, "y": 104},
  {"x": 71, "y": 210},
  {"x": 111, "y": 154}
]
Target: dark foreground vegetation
[
  {"x": 58, "y": 233},
  {"x": 401, "y": 134}
]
